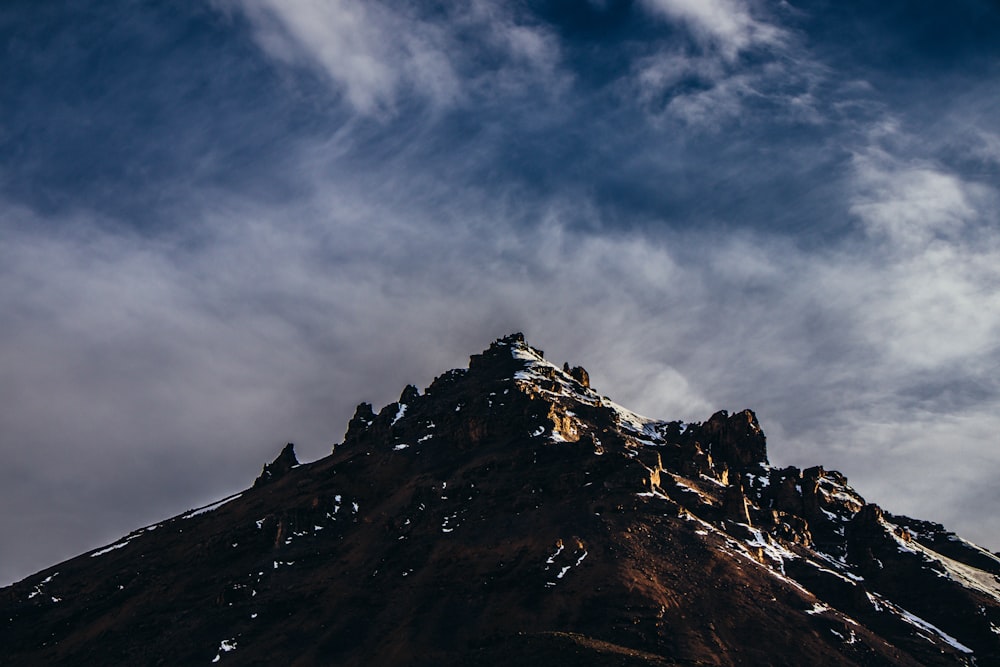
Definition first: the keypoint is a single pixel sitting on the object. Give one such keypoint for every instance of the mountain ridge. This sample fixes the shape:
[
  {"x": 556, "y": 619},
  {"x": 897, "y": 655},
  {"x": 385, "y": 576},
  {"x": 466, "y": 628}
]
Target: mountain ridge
[{"x": 511, "y": 509}]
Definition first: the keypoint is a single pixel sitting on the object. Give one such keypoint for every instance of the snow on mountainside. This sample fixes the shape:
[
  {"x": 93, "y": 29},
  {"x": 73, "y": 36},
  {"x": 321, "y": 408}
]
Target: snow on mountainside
[{"x": 511, "y": 513}]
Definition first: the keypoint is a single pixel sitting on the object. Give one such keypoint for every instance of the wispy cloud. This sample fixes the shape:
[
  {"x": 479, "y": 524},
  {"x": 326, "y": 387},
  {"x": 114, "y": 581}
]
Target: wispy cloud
[
  {"x": 366, "y": 50},
  {"x": 725, "y": 26},
  {"x": 744, "y": 68},
  {"x": 935, "y": 301},
  {"x": 379, "y": 54},
  {"x": 910, "y": 204}
]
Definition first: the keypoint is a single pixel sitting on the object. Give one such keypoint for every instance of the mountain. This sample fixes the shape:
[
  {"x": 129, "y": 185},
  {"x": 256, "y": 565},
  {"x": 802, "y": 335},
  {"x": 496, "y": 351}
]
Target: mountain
[{"x": 510, "y": 514}]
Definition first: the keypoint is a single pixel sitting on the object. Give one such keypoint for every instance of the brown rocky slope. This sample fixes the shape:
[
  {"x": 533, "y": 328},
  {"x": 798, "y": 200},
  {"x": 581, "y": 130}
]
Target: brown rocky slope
[{"x": 510, "y": 514}]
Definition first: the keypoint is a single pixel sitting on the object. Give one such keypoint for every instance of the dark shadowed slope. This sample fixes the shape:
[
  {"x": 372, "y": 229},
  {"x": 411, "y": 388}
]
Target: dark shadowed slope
[{"x": 511, "y": 514}]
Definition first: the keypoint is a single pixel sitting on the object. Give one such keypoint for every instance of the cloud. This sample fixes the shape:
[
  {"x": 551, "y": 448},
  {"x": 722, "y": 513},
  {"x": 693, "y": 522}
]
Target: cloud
[
  {"x": 986, "y": 146},
  {"x": 382, "y": 56},
  {"x": 198, "y": 353},
  {"x": 935, "y": 300},
  {"x": 367, "y": 51},
  {"x": 909, "y": 204},
  {"x": 704, "y": 94},
  {"x": 726, "y": 26},
  {"x": 711, "y": 87}
]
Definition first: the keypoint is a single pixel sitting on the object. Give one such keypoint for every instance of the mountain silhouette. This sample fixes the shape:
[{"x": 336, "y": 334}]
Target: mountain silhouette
[{"x": 510, "y": 514}]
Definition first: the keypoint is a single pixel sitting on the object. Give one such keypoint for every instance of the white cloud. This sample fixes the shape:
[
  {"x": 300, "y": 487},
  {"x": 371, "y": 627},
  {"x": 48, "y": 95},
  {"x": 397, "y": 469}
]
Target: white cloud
[
  {"x": 909, "y": 203},
  {"x": 934, "y": 302},
  {"x": 708, "y": 90},
  {"x": 378, "y": 55},
  {"x": 727, "y": 26},
  {"x": 369, "y": 52},
  {"x": 938, "y": 307},
  {"x": 985, "y": 145}
]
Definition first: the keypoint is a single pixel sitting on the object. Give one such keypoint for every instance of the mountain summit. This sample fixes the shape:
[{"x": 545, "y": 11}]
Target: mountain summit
[{"x": 510, "y": 514}]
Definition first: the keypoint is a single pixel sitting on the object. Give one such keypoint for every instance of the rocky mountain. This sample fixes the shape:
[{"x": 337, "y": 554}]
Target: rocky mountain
[{"x": 510, "y": 514}]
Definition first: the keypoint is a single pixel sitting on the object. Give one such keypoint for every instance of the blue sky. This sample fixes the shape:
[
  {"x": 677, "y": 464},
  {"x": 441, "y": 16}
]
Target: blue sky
[{"x": 223, "y": 224}]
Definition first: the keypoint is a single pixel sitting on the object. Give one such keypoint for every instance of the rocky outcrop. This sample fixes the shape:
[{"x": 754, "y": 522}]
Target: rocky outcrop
[
  {"x": 579, "y": 374},
  {"x": 279, "y": 467},
  {"x": 736, "y": 440},
  {"x": 409, "y": 395},
  {"x": 364, "y": 417},
  {"x": 734, "y": 503}
]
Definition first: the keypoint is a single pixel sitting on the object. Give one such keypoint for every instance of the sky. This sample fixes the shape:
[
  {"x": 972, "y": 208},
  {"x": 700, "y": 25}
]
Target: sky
[{"x": 225, "y": 223}]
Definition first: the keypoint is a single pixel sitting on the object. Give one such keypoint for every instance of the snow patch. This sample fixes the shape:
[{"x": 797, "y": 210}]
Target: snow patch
[
  {"x": 643, "y": 427},
  {"x": 686, "y": 487},
  {"x": 225, "y": 646},
  {"x": 830, "y": 515},
  {"x": 449, "y": 524},
  {"x": 40, "y": 586},
  {"x": 117, "y": 545},
  {"x": 740, "y": 549},
  {"x": 652, "y": 494},
  {"x": 208, "y": 508},
  {"x": 399, "y": 414},
  {"x": 818, "y": 608},
  {"x": 964, "y": 575},
  {"x": 881, "y": 604},
  {"x": 712, "y": 480},
  {"x": 540, "y": 373},
  {"x": 842, "y": 570},
  {"x": 775, "y": 552}
]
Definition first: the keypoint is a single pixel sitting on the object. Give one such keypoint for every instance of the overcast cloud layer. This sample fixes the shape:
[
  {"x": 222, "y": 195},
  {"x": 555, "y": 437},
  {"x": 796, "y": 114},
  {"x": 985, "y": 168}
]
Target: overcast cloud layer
[{"x": 224, "y": 224}]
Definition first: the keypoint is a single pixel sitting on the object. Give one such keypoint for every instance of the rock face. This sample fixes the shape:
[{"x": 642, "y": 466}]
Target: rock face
[
  {"x": 279, "y": 467},
  {"x": 511, "y": 514},
  {"x": 735, "y": 441},
  {"x": 579, "y": 374}
]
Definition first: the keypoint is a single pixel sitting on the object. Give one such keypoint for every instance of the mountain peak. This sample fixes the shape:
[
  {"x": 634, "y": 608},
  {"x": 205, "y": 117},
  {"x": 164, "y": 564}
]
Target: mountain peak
[{"x": 511, "y": 511}]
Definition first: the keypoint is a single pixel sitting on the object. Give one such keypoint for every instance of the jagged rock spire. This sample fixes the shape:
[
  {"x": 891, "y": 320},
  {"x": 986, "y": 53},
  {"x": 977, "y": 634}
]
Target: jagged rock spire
[
  {"x": 277, "y": 468},
  {"x": 736, "y": 440}
]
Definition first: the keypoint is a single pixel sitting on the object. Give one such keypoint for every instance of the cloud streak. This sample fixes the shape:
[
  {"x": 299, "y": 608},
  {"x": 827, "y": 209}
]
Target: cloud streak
[
  {"x": 368, "y": 52},
  {"x": 727, "y": 26},
  {"x": 380, "y": 56}
]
